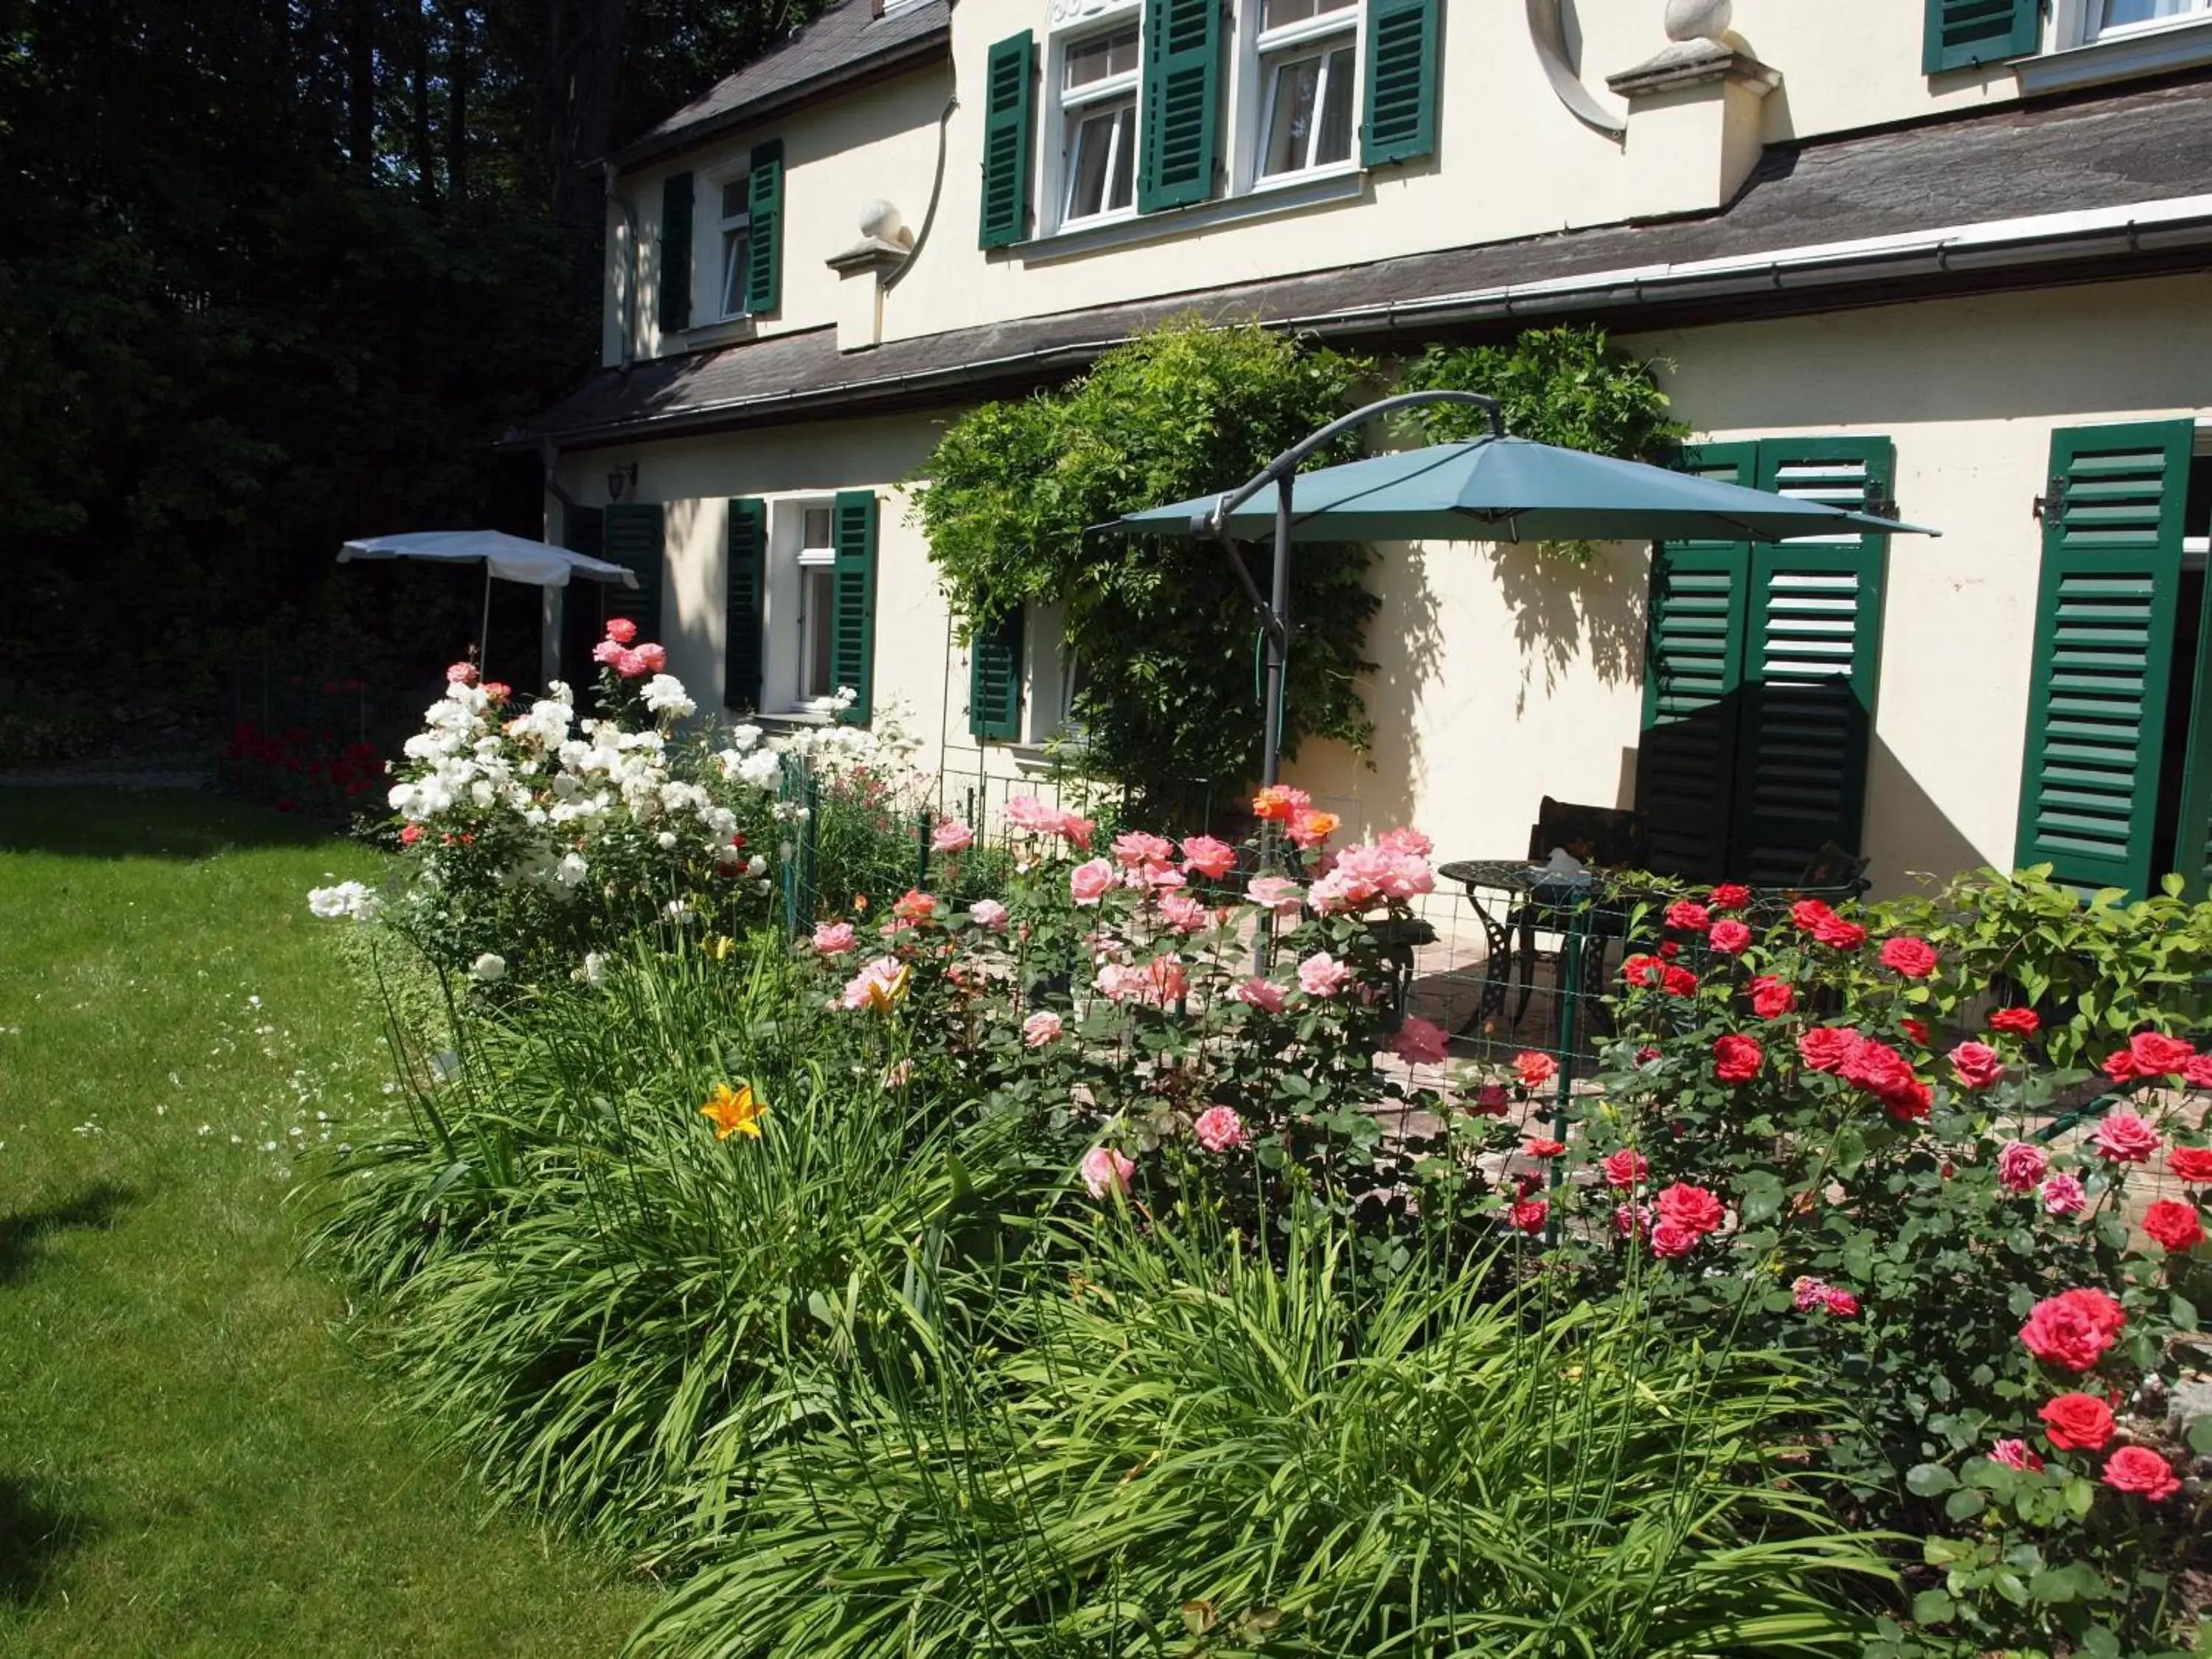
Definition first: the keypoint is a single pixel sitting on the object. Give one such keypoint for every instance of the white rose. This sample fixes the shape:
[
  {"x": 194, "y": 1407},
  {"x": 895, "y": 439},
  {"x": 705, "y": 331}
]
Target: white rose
[{"x": 488, "y": 968}]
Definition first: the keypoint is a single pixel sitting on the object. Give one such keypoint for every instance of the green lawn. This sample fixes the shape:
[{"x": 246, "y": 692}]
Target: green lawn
[{"x": 191, "y": 1462}]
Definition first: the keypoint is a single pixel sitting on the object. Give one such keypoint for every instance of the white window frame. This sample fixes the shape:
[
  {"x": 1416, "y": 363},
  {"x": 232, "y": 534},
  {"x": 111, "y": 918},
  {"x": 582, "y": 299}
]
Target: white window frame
[
  {"x": 809, "y": 560},
  {"x": 1067, "y": 110},
  {"x": 1253, "y": 104},
  {"x": 1047, "y": 678},
  {"x": 2088, "y": 29},
  {"x": 718, "y": 229}
]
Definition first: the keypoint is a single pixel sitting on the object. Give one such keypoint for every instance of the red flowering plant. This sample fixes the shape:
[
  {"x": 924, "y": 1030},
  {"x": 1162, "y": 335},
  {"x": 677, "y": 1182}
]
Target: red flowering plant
[{"x": 1911, "y": 1193}]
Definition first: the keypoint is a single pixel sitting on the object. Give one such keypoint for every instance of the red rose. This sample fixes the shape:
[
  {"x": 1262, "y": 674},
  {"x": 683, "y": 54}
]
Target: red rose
[
  {"x": 1737, "y": 1059},
  {"x": 1669, "y": 1239},
  {"x": 1545, "y": 1148},
  {"x": 1624, "y": 1168},
  {"x": 1828, "y": 1048},
  {"x": 1877, "y": 1068},
  {"x": 1810, "y": 914},
  {"x": 1915, "y": 958},
  {"x": 2174, "y": 1225},
  {"x": 1910, "y": 1103},
  {"x": 1669, "y": 951},
  {"x": 1976, "y": 1064},
  {"x": 2077, "y": 1422},
  {"x": 1694, "y": 1209},
  {"x": 2196, "y": 1072},
  {"x": 1730, "y": 896},
  {"x": 1641, "y": 970},
  {"x": 1529, "y": 1215},
  {"x": 2159, "y": 1056},
  {"x": 2072, "y": 1329},
  {"x": 1534, "y": 1068},
  {"x": 2120, "y": 1067},
  {"x": 2192, "y": 1164},
  {"x": 1732, "y": 939},
  {"x": 2123, "y": 1138},
  {"x": 1678, "y": 981},
  {"x": 1840, "y": 935},
  {"x": 1840, "y": 1304},
  {"x": 1772, "y": 998},
  {"x": 2020, "y": 1021},
  {"x": 1689, "y": 916},
  {"x": 1917, "y": 1031},
  {"x": 2142, "y": 1471}
]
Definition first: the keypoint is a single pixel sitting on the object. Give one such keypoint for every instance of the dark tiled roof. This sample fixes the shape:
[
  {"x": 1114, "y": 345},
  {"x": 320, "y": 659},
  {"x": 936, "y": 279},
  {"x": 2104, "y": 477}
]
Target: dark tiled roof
[
  {"x": 842, "y": 45},
  {"x": 2144, "y": 147}
]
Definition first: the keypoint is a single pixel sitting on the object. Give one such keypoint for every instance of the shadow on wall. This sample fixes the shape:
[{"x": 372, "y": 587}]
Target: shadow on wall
[
  {"x": 1573, "y": 619},
  {"x": 1908, "y": 836},
  {"x": 1405, "y": 642}
]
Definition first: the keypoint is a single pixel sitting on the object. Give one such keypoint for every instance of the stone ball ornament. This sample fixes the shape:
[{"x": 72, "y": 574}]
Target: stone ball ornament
[{"x": 1698, "y": 20}]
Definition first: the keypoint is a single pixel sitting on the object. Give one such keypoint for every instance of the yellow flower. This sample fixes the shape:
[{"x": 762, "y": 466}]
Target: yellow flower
[
  {"x": 735, "y": 1111},
  {"x": 720, "y": 946},
  {"x": 882, "y": 994}
]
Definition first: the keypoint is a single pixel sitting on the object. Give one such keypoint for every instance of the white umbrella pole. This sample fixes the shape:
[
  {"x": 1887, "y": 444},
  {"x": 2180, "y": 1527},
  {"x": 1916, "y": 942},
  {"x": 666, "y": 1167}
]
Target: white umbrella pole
[{"x": 483, "y": 638}]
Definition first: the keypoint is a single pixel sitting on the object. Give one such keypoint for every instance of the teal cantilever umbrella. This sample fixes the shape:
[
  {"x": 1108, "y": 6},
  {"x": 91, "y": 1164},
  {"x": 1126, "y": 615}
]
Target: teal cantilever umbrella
[{"x": 1495, "y": 489}]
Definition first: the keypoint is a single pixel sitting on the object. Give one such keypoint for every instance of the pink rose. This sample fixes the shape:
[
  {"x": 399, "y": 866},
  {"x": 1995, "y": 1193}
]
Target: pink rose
[
  {"x": 1407, "y": 841},
  {"x": 951, "y": 837},
  {"x": 2022, "y": 1166},
  {"x": 1730, "y": 938},
  {"x": 2014, "y": 1454},
  {"x": 2072, "y": 1329},
  {"x": 1262, "y": 994},
  {"x": 1977, "y": 1067},
  {"x": 1632, "y": 1220},
  {"x": 1694, "y": 1209},
  {"x": 1420, "y": 1043},
  {"x": 1321, "y": 974},
  {"x": 915, "y": 906},
  {"x": 609, "y": 652},
  {"x": 1105, "y": 1170},
  {"x": 1137, "y": 849},
  {"x": 621, "y": 630},
  {"x": 1203, "y": 855},
  {"x": 652, "y": 659},
  {"x": 1688, "y": 916},
  {"x": 1041, "y": 1027},
  {"x": 1669, "y": 1239},
  {"x": 1219, "y": 1129},
  {"x": 1808, "y": 1292},
  {"x": 1626, "y": 1168},
  {"x": 879, "y": 985},
  {"x": 833, "y": 938},
  {"x": 1074, "y": 829},
  {"x": 1027, "y": 813},
  {"x": 2123, "y": 1138},
  {"x": 1166, "y": 981},
  {"x": 1528, "y": 1215},
  {"x": 1274, "y": 893},
  {"x": 1185, "y": 914},
  {"x": 1840, "y": 1303},
  {"x": 1089, "y": 882},
  {"x": 2065, "y": 1194},
  {"x": 988, "y": 915},
  {"x": 461, "y": 673},
  {"x": 2142, "y": 1471}
]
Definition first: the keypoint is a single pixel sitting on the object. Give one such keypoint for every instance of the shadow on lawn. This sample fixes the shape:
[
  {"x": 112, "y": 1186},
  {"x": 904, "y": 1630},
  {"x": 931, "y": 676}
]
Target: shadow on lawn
[
  {"x": 128, "y": 824},
  {"x": 33, "y": 1535},
  {"x": 22, "y": 1231}
]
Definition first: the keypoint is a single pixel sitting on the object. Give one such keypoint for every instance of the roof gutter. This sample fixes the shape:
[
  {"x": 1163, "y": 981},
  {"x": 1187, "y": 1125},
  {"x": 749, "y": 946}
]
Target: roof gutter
[{"x": 2185, "y": 223}]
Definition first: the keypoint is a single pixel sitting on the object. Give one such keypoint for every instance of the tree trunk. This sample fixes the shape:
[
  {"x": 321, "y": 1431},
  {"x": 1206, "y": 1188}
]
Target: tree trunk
[
  {"x": 457, "y": 102},
  {"x": 361, "y": 86},
  {"x": 426, "y": 152},
  {"x": 582, "y": 80}
]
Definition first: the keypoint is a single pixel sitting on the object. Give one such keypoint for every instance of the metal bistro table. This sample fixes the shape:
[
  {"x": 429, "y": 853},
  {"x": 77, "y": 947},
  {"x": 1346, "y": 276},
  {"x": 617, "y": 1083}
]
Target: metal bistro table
[{"x": 1514, "y": 899}]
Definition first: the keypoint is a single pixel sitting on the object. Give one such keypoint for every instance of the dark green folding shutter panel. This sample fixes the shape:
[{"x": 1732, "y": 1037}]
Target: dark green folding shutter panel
[
  {"x": 634, "y": 539},
  {"x": 748, "y": 581},
  {"x": 583, "y": 622},
  {"x": 2193, "y": 838},
  {"x": 1961, "y": 34},
  {"x": 1811, "y": 666},
  {"x": 852, "y": 600},
  {"x": 764, "y": 228},
  {"x": 2104, "y": 650},
  {"x": 1008, "y": 118},
  {"x": 1180, "y": 100},
  {"x": 995, "y": 681},
  {"x": 675, "y": 253},
  {"x": 1402, "y": 63},
  {"x": 1693, "y": 674}
]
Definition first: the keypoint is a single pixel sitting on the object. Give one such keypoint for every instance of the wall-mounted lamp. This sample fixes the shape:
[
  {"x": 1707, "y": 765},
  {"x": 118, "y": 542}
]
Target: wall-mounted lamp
[{"x": 620, "y": 478}]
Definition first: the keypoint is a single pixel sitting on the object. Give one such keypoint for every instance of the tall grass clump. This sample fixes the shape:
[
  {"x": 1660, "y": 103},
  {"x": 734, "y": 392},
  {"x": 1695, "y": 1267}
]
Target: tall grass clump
[
  {"x": 577, "y": 1278},
  {"x": 1174, "y": 1446}
]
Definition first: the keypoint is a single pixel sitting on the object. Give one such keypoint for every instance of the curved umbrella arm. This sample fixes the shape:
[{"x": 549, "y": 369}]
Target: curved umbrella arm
[{"x": 1211, "y": 524}]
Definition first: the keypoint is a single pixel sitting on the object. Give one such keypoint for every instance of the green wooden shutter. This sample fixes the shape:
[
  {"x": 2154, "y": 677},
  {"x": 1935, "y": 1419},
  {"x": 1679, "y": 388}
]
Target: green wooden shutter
[
  {"x": 636, "y": 539},
  {"x": 1812, "y": 663},
  {"x": 1402, "y": 65},
  {"x": 852, "y": 600},
  {"x": 1009, "y": 94},
  {"x": 2193, "y": 852},
  {"x": 2104, "y": 650},
  {"x": 583, "y": 620},
  {"x": 994, "y": 680},
  {"x": 1693, "y": 671},
  {"x": 1961, "y": 34},
  {"x": 748, "y": 583},
  {"x": 1181, "y": 99},
  {"x": 675, "y": 253},
  {"x": 764, "y": 228}
]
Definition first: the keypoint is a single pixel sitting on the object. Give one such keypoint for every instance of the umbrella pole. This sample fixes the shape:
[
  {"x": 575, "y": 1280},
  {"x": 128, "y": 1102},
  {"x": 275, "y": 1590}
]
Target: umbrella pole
[
  {"x": 483, "y": 636},
  {"x": 1278, "y": 633}
]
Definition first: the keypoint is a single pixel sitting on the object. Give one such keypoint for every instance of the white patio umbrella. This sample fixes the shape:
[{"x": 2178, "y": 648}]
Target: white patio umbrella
[{"x": 510, "y": 558}]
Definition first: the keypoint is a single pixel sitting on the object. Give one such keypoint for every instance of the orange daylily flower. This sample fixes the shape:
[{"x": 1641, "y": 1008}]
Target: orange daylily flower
[{"x": 734, "y": 1111}]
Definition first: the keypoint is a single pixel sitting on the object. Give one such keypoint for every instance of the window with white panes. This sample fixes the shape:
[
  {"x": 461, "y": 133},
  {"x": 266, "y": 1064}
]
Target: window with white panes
[
  {"x": 735, "y": 236},
  {"x": 1097, "y": 84},
  {"x": 1306, "y": 86},
  {"x": 817, "y": 558},
  {"x": 2110, "y": 17}
]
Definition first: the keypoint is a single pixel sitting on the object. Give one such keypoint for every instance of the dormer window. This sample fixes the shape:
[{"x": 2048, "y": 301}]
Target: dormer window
[
  {"x": 736, "y": 241},
  {"x": 1098, "y": 96},
  {"x": 1309, "y": 64}
]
